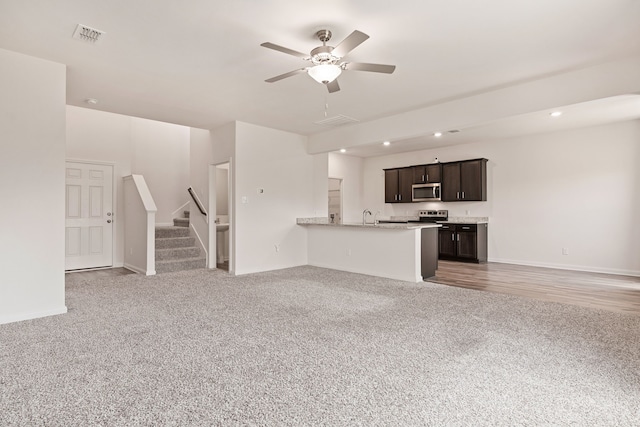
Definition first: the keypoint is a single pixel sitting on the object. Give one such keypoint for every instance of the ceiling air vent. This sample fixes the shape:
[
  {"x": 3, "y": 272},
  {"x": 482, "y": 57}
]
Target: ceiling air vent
[
  {"x": 336, "y": 120},
  {"x": 87, "y": 34}
]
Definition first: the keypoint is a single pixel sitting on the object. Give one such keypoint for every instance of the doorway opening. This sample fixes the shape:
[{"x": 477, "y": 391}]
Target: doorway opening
[
  {"x": 223, "y": 217},
  {"x": 335, "y": 200}
]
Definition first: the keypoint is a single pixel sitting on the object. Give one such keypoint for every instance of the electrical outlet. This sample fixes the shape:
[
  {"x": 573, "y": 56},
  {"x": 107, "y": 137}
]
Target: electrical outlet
[{"x": 565, "y": 251}]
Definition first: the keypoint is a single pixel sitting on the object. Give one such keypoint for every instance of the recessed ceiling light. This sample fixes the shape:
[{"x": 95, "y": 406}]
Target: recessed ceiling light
[
  {"x": 437, "y": 134},
  {"x": 556, "y": 114},
  {"x": 343, "y": 150},
  {"x": 386, "y": 143},
  {"x": 91, "y": 101}
]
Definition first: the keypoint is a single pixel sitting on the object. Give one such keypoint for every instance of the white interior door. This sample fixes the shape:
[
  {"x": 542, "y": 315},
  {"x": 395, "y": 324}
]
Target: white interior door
[{"x": 89, "y": 216}]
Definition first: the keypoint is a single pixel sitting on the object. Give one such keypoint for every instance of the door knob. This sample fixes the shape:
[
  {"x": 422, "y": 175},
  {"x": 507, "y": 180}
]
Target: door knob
[
  {"x": 108, "y": 221},
  {"x": 108, "y": 213}
]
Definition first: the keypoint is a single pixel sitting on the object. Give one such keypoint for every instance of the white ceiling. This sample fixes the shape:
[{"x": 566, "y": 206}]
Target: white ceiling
[
  {"x": 199, "y": 63},
  {"x": 592, "y": 113}
]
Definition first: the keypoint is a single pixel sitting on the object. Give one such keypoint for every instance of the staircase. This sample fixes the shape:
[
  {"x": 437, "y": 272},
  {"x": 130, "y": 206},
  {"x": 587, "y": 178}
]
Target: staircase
[{"x": 176, "y": 249}]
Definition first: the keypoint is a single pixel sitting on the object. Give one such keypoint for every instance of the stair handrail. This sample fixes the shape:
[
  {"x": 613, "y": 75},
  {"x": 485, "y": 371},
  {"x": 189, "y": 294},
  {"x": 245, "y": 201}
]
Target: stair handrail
[{"x": 195, "y": 198}]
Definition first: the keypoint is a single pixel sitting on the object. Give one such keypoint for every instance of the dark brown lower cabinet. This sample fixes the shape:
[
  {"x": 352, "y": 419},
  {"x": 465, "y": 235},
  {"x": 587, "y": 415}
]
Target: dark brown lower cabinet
[{"x": 463, "y": 242}]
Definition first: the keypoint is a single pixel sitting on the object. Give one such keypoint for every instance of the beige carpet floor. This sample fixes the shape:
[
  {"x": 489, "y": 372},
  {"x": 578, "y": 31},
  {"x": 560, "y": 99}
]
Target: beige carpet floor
[{"x": 310, "y": 346}]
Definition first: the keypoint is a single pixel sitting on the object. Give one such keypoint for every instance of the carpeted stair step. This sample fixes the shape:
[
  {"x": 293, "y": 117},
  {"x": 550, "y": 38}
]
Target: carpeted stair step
[
  {"x": 171, "y": 231},
  {"x": 179, "y": 265},
  {"x": 175, "y": 242},
  {"x": 176, "y": 250},
  {"x": 181, "y": 222},
  {"x": 186, "y": 214},
  {"x": 177, "y": 253}
]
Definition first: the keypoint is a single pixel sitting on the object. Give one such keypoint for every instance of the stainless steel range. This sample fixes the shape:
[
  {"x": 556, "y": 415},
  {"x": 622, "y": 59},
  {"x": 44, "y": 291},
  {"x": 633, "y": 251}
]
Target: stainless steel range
[{"x": 433, "y": 216}]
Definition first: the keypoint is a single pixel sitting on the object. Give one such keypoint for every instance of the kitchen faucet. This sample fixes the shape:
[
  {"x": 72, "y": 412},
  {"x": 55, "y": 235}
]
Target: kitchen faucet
[{"x": 364, "y": 213}]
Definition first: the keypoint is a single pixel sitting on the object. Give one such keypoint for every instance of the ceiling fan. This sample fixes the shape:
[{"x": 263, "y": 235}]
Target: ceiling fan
[{"x": 327, "y": 61}]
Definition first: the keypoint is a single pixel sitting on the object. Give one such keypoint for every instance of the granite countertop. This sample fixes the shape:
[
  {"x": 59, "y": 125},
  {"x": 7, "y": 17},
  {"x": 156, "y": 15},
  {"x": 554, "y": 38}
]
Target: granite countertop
[
  {"x": 465, "y": 220},
  {"x": 387, "y": 226}
]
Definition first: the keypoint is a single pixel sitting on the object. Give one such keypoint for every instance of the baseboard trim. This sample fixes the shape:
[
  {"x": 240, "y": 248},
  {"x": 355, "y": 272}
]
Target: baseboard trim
[
  {"x": 32, "y": 315},
  {"x": 139, "y": 270},
  {"x": 617, "y": 272}
]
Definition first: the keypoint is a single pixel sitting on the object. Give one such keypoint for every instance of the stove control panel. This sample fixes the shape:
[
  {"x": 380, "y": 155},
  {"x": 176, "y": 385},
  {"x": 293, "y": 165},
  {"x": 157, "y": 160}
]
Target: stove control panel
[{"x": 434, "y": 214}]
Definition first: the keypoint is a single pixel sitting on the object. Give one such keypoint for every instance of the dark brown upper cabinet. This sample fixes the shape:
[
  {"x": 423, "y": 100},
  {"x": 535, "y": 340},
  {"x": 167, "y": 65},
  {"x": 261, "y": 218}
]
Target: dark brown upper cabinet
[
  {"x": 423, "y": 174},
  {"x": 464, "y": 181},
  {"x": 397, "y": 185}
]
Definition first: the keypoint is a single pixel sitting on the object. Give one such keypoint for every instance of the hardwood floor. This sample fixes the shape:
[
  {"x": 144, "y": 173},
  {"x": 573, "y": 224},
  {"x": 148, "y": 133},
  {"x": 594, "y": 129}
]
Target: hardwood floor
[{"x": 603, "y": 291}]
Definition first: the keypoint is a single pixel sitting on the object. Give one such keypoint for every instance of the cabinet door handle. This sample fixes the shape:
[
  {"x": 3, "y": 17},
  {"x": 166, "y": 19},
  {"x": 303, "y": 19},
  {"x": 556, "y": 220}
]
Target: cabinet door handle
[
  {"x": 458, "y": 237},
  {"x": 466, "y": 228},
  {"x": 423, "y": 177},
  {"x": 457, "y": 194},
  {"x": 453, "y": 237},
  {"x": 427, "y": 177},
  {"x": 463, "y": 194},
  {"x": 399, "y": 197},
  {"x": 395, "y": 197}
]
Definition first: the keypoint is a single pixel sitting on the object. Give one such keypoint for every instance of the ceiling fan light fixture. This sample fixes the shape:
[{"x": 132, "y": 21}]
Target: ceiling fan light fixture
[{"x": 324, "y": 73}]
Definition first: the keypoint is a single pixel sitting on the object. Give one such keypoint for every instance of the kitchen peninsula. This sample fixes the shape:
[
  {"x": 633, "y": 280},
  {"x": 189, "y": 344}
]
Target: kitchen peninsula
[{"x": 402, "y": 251}]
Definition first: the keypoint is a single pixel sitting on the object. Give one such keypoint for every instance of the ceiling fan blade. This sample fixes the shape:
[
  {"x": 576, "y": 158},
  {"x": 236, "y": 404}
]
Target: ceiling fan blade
[
  {"x": 285, "y": 75},
  {"x": 352, "y": 41},
  {"x": 333, "y": 86},
  {"x": 284, "y": 50},
  {"x": 376, "y": 68}
]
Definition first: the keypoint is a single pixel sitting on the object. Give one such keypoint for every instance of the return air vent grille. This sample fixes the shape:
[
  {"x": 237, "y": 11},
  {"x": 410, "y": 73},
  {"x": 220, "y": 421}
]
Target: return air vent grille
[
  {"x": 87, "y": 34},
  {"x": 336, "y": 120}
]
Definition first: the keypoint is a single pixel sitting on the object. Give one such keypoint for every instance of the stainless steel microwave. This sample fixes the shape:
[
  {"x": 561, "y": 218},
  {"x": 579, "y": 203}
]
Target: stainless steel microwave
[{"x": 425, "y": 192}]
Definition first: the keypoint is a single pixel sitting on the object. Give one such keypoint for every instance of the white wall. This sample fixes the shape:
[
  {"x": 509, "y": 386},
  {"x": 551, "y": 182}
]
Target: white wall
[
  {"x": 278, "y": 163},
  {"x": 161, "y": 155},
  {"x": 577, "y": 189},
  {"x": 350, "y": 170},
  {"x": 158, "y": 151},
  {"x": 32, "y": 156}
]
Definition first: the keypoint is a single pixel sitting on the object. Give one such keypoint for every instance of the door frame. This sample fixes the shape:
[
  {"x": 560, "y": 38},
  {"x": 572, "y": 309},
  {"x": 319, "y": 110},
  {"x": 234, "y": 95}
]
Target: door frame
[
  {"x": 341, "y": 197},
  {"x": 114, "y": 208},
  {"x": 212, "y": 209}
]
